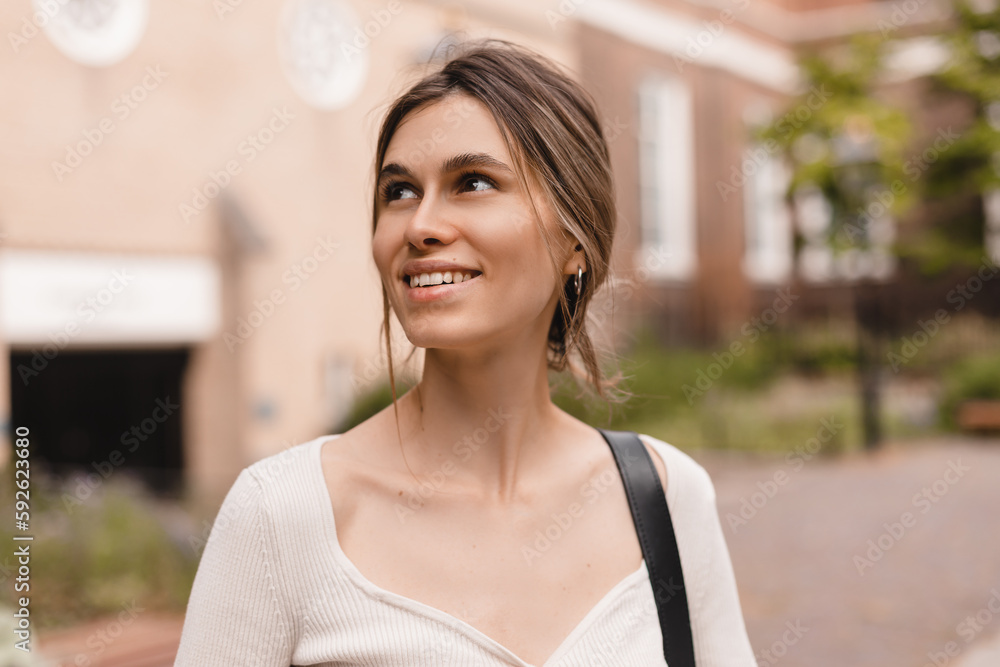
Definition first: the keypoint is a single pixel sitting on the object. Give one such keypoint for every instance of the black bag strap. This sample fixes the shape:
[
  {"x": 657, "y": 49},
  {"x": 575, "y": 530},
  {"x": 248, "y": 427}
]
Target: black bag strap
[{"x": 659, "y": 545}]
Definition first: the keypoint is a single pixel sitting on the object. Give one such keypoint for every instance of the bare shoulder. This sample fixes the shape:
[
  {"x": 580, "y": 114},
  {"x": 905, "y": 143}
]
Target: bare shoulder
[
  {"x": 360, "y": 444},
  {"x": 661, "y": 468},
  {"x": 352, "y": 464},
  {"x": 346, "y": 457},
  {"x": 603, "y": 451},
  {"x": 690, "y": 479}
]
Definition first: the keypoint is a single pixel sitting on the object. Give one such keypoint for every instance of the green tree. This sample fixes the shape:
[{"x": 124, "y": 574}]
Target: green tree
[
  {"x": 958, "y": 177},
  {"x": 851, "y": 149}
]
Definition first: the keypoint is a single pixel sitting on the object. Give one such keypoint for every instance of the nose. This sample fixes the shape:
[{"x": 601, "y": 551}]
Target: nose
[{"x": 431, "y": 223}]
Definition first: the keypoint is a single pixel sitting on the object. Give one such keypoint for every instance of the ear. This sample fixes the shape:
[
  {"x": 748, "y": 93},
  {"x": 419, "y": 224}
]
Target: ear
[{"x": 576, "y": 259}]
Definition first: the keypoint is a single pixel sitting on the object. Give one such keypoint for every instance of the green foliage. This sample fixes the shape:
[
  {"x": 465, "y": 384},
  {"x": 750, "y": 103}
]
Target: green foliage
[
  {"x": 962, "y": 333},
  {"x": 949, "y": 244},
  {"x": 974, "y": 43},
  {"x": 370, "y": 403},
  {"x": 814, "y": 351},
  {"x": 844, "y": 140},
  {"x": 975, "y": 377},
  {"x": 680, "y": 395},
  {"x": 958, "y": 176},
  {"x": 671, "y": 381},
  {"x": 90, "y": 559}
]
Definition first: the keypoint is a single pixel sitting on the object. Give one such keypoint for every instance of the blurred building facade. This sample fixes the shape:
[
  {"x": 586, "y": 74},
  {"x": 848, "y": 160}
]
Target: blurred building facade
[
  {"x": 687, "y": 83},
  {"x": 186, "y": 282}
]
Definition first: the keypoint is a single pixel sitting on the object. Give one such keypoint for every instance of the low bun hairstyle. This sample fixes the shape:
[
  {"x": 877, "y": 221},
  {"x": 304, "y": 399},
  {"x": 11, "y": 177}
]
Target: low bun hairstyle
[{"x": 553, "y": 132}]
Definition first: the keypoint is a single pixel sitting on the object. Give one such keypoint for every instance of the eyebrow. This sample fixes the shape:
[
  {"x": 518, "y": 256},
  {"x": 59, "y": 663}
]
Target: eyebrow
[{"x": 454, "y": 163}]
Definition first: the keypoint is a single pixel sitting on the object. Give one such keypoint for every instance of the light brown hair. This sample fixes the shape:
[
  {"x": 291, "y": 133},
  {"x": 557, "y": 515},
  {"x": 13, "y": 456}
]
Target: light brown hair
[{"x": 553, "y": 132}]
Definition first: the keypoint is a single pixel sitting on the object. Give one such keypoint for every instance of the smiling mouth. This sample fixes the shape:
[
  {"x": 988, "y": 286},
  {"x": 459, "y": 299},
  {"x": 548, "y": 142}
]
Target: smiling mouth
[{"x": 440, "y": 278}]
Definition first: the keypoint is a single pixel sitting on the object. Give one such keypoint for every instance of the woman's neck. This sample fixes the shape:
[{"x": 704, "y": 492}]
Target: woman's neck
[{"x": 490, "y": 416}]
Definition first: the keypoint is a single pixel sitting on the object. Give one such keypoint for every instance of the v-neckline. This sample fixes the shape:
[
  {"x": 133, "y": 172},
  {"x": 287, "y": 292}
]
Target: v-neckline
[{"x": 424, "y": 609}]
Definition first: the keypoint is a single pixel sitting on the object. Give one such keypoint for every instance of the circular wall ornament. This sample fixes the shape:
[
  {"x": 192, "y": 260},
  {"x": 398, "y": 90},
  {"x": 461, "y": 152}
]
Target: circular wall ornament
[
  {"x": 98, "y": 33},
  {"x": 323, "y": 51}
]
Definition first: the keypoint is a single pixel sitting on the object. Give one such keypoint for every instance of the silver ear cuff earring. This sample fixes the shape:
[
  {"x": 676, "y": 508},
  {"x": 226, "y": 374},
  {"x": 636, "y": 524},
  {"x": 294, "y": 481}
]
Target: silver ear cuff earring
[{"x": 579, "y": 280}]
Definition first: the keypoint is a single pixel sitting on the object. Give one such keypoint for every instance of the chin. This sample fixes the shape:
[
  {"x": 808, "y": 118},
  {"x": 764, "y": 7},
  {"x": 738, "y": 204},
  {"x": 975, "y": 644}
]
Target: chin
[
  {"x": 440, "y": 333},
  {"x": 431, "y": 339}
]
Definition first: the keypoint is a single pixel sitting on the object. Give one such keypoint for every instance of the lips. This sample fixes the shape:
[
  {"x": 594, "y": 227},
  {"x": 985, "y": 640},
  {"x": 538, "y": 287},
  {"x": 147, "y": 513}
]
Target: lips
[
  {"x": 436, "y": 292},
  {"x": 417, "y": 267},
  {"x": 455, "y": 271},
  {"x": 439, "y": 277}
]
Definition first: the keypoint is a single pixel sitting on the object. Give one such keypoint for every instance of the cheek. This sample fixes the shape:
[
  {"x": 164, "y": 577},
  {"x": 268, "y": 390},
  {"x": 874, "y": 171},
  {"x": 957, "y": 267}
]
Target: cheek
[
  {"x": 381, "y": 250},
  {"x": 528, "y": 277},
  {"x": 530, "y": 264}
]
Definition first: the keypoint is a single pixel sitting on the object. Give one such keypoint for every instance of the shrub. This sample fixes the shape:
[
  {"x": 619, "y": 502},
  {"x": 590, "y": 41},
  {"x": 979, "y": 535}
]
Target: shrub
[
  {"x": 370, "y": 403},
  {"x": 976, "y": 376},
  {"x": 93, "y": 557}
]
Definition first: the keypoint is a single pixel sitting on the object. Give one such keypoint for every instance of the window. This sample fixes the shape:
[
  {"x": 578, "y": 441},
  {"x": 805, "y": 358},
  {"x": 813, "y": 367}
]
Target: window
[
  {"x": 768, "y": 228},
  {"x": 813, "y": 214},
  {"x": 666, "y": 175},
  {"x": 991, "y": 230},
  {"x": 870, "y": 237}
]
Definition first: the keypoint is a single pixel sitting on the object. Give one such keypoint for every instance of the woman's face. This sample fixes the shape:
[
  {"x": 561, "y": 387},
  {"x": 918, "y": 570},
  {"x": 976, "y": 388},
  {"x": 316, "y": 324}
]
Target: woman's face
[{"x": 448, "y": 193}]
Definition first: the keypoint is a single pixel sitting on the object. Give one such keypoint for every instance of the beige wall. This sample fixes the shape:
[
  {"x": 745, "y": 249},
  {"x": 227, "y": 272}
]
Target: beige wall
[
  {"x": 221, "y": 80},
  {"x": 718, "y": 295}
]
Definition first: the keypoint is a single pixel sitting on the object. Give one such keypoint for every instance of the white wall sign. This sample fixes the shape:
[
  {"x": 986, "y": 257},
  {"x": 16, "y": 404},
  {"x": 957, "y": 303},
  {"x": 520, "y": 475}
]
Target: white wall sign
[
  {"x": 324, "y": 51},
  {"x": 64, "y": 298},
  {"x": 98, "y": 33}
]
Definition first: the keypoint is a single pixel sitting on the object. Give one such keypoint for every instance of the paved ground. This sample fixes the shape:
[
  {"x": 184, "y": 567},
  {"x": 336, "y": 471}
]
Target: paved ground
[
  {"x": 149, "y": 640},
  {"x": 902, "y": 600},
  {"x": 803, "y": 560}
]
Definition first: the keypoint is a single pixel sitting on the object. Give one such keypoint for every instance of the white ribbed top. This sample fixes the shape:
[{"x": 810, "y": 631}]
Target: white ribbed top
[{"x": 275, "y": 589}]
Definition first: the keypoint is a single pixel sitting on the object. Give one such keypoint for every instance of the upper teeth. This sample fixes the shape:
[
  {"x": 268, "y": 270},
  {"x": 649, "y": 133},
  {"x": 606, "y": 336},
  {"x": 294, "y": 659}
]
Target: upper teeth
[{"x": 437, "y": 278}]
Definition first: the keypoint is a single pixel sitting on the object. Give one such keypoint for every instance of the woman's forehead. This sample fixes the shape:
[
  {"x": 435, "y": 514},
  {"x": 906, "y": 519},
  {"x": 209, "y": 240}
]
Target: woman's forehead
[{"x": 438, "y": 131}]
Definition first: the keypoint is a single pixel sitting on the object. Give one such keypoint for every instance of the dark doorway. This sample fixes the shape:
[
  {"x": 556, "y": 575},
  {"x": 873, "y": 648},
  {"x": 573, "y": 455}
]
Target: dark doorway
[{"x": 101, "y": 411}]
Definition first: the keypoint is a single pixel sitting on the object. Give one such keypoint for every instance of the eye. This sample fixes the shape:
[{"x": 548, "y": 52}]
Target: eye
[
  {"x": 389, "y": 191},
  {"x": 481, "y": 182}
]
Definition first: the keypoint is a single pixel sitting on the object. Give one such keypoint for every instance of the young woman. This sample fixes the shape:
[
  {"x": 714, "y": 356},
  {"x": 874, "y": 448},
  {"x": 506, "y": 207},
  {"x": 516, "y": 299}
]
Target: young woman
[{"x": 474, "y": 523}]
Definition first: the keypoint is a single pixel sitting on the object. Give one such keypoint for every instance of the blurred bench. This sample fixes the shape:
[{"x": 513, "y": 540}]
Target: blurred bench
[{"x": 979, "y": 415}]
